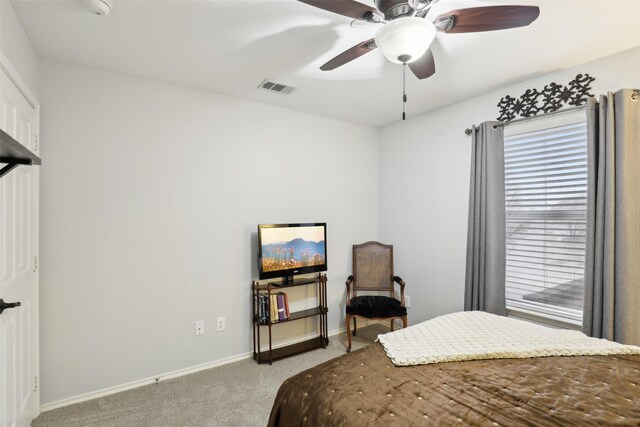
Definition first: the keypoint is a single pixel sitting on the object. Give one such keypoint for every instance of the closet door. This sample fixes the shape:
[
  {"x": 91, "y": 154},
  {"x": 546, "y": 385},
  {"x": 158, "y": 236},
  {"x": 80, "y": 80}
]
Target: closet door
[{"x": 19, "y": 396}]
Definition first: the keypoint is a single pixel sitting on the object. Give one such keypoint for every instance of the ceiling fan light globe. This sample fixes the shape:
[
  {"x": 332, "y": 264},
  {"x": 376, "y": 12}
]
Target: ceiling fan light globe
[{"x": 405, "y": 38}]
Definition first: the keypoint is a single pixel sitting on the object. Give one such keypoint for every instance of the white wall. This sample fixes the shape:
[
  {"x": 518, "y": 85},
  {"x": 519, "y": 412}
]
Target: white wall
[
  {"x": 424, "y": 184},
  {"x": 15, "y": 44},
  {"x": 151, "y": 196}
]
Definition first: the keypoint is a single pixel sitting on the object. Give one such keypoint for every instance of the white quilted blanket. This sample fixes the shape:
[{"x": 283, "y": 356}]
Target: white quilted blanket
[{"x": 473, "y": 335}]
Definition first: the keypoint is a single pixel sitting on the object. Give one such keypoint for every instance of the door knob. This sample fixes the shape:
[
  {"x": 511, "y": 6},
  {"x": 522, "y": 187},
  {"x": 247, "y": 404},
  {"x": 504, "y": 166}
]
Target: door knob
[{"x": 5, "y": 305}]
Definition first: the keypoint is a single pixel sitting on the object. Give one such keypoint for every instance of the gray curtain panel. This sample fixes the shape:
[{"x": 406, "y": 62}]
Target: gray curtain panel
[
  {"x": 612, "y": 267},
  {"x": 486, "y": 248}
]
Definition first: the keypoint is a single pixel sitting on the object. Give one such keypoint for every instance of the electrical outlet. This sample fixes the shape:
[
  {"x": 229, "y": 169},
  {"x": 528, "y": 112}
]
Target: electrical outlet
[
  {"x": 407, "y": 301},
  {"x": 200, "y": 327},
  {"x": 220, "y": 325}
]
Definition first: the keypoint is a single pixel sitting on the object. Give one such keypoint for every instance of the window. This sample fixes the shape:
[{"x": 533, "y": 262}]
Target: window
[{"x": 546, "y": 195}]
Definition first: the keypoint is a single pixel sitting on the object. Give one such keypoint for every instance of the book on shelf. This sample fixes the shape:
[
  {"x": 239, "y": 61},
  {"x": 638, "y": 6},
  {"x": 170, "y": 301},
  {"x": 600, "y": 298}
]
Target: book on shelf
[
  {"x": 281, "y": 310},
  {"x": 286, "y": 306},
  {"x": 262, "y": 309},
  {"x": 273, "y": 308},
  {"x": 265, "y": 310}
]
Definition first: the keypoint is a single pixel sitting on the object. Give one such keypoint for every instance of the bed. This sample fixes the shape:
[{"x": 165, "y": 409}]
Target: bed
[{"x": 365, "y": 387}]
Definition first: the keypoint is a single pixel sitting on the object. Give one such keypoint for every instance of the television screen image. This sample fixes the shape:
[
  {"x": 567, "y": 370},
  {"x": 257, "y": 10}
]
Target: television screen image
[{"x": 289, "y": 249}]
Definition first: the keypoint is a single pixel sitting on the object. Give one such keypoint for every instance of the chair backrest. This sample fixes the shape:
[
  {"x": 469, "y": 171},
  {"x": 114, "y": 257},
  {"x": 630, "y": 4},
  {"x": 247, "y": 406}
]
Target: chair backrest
[{"x": 373, "y": 267}]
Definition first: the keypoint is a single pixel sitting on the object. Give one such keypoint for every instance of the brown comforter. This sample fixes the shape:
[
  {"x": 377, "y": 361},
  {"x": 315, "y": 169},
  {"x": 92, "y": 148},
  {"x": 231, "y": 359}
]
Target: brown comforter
[{"x": 365, "y": 388}]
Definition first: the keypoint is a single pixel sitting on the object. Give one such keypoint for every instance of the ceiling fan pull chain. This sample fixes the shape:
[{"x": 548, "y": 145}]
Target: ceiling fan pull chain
[{"x": 404, "y": 88}]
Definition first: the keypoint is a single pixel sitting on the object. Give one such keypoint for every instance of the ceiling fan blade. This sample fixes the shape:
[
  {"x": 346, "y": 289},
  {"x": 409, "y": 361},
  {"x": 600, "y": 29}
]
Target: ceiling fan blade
[
  {"x": 490, "y": 18},
  {"x": 349, "y": 55},
  {"x": 349, "y": 8},
  {"x": 425, "y": 66}
]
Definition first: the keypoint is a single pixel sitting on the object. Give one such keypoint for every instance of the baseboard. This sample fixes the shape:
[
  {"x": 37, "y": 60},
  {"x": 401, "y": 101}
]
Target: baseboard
[
  {"x": 173, "y": 374},
  {"x": 139, "y": 383}
]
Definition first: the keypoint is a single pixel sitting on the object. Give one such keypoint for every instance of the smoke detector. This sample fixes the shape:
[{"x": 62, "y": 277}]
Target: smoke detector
[{"x": 99, "y": 7}]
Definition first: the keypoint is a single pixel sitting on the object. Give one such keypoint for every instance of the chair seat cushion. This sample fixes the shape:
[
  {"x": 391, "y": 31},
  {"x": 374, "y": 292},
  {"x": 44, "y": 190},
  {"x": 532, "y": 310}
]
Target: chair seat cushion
[{"x": 376, "y": 306}]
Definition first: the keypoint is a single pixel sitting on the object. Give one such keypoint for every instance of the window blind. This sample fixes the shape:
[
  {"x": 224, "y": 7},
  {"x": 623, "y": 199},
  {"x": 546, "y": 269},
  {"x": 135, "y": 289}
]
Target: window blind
[{"x": 546, "y": 196}]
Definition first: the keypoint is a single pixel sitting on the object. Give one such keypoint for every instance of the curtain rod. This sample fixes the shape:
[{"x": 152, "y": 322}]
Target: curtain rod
[{"x": 524, "y": 119}]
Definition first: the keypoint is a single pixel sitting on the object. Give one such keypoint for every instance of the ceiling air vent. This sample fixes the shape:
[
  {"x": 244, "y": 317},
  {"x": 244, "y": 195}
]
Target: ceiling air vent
[{"x": 276, "y": 87}]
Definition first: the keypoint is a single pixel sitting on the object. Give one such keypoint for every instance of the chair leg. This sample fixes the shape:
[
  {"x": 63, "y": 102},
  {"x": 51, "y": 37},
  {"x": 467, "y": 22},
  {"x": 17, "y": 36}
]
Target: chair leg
[
  {"x": 391, "y": 324},
  {"x": 354, "y": 326},
  {"x": 348, "y": 324},
  {"x": 405, "y": 322}
]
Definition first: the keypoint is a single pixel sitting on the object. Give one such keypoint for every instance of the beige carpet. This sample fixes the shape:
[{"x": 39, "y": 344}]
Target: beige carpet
[{"x": 237, "y": 394}]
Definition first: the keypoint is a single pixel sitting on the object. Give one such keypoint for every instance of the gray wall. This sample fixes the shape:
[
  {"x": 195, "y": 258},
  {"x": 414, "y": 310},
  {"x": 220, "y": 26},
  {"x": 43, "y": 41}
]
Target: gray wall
[
  {"x": 151, "y": 196},
  {"x": 424, "y": 184},
  {"x": 15, "y": 44}
]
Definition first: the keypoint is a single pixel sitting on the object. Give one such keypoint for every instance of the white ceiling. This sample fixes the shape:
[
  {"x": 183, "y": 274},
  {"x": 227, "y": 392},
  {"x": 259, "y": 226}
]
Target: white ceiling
[{"x": 229, "y": 47}]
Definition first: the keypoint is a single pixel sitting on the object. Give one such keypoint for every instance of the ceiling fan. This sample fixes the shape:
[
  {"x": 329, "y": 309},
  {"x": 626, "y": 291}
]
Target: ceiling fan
[{"x": 407, "y": 34}]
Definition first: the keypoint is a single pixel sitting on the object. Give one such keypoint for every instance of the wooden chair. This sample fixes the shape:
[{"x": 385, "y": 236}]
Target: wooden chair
[{"x": 373, "y": 271}]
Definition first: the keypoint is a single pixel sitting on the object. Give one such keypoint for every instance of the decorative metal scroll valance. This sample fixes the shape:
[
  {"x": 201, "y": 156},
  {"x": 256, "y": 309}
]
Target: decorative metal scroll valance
[{"x": 550, "y": 99}]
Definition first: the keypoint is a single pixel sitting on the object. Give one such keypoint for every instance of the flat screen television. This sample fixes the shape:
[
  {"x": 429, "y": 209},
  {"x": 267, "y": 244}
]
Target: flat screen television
[{"x": 285, "y": 250}]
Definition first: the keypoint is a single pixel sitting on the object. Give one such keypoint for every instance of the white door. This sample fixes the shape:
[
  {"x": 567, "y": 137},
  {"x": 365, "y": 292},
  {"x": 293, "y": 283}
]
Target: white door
[{"x": 19, "y": 396}]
